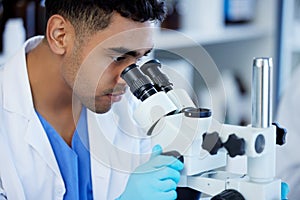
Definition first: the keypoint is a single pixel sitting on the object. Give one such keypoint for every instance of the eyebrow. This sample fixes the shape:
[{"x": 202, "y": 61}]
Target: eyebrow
[{"x": 125, "y": 51}]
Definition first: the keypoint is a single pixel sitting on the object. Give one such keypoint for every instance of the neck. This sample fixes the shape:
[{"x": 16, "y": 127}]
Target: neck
[{"x": 52, "y": 96}]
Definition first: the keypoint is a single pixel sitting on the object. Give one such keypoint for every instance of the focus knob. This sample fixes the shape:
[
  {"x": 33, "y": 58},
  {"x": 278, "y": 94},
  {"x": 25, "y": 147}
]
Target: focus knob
[
  {"x": 280, "y": 134},
  {"x": 211, "y": 142},
  {"x": 175, "y": 154},
  {"x": 235, "y": 146}
]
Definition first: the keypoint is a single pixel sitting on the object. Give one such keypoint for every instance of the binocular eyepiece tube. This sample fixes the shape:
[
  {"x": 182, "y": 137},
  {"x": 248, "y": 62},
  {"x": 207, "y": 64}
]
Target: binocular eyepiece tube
[
  {"x": 140, "y": 84},
  {"x": 160, "y": 80},
  {"x": 146, "y": 80}
]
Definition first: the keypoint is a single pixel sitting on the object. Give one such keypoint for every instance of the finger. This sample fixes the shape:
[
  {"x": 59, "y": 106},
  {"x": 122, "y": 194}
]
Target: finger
[
  {"x": 166, "y": 185},
  {"x": 168, "y": 173},
  {"x": 177, "y": 165},
  {"x": 169, "y": 161},
  {"x": 170, "y": 195},
  {"x": 156, "y": 150}
]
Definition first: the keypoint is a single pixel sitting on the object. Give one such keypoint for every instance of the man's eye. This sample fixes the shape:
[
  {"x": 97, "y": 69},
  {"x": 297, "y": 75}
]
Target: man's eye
[{"x": 119, "y": 59}]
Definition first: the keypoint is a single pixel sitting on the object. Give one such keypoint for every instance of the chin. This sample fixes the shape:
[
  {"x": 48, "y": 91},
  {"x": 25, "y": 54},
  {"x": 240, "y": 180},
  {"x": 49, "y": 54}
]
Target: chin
[{"x": 101, "y": 109}]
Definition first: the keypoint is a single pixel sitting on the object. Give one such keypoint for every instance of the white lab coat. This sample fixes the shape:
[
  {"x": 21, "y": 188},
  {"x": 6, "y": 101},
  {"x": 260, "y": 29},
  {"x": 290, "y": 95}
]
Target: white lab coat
[
  {"x": 288, "y": 115},
  {"x": 28, "y": 168}
]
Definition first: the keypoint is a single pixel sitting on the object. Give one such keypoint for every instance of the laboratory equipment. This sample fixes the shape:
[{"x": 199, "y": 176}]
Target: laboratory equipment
[{"x": 171, "y": 119}]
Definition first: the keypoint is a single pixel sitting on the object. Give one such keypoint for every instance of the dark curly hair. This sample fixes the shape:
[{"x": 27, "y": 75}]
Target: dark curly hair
[{"x": 95, "y": 15}]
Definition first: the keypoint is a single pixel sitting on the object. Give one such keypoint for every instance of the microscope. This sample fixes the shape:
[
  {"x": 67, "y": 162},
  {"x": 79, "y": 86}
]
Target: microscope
[{"x": 170, "y": 118}]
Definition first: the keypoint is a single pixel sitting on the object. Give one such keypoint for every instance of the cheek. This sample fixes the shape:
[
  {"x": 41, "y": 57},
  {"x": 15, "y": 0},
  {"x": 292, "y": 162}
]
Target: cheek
[
  {"x": 69, "y": 71},
  {"x": 72, "y": 65},
  {"x": 90, "y": 82},
  {"x": 88, "y": 78},
  {"x": 105, "y": 81},
  {"x": 92, "y": 76}
]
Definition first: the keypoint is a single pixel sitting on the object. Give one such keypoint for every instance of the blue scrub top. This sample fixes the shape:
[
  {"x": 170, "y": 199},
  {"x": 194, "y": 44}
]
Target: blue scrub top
[{"x": 74, "y": 161}]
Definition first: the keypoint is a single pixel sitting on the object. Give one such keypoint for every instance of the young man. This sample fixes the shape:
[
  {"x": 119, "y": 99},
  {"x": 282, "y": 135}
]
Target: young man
[{"x": 58, "y": 139}]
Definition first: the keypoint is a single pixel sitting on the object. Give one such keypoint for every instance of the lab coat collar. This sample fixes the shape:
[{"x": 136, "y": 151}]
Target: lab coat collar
[
  {"x": 17, "y": 99},
  {"x": 15, "y": 80}
]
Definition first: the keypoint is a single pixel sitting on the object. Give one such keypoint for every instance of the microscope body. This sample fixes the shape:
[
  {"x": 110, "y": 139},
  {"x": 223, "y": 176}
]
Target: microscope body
[{"x": 170, "y": 118}]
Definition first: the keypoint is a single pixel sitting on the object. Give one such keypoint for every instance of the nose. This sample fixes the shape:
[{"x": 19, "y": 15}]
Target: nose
[{"x": 121, "y": 81}]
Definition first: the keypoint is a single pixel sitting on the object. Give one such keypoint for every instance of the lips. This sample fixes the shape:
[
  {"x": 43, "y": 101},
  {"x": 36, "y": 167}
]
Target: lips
[
  {"x": 115, "y": 97},
  {"x": 117, "y": 93}
]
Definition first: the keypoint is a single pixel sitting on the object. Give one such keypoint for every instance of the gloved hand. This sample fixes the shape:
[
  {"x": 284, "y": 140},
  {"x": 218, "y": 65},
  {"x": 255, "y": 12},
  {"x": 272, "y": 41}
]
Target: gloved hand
[
  {"x": 156, "y": 179},
  {"x": 284, "y": 190}
]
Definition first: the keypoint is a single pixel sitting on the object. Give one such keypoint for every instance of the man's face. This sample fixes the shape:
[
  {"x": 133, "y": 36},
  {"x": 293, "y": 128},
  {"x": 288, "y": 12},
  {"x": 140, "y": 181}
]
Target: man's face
[{"x": 93, "y": 68}]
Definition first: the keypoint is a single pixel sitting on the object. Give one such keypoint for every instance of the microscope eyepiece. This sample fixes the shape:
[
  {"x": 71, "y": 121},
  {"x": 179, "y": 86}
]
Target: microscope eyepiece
[
  {"x": 140, "y": 85},
  {"x": 160, "y": 80}
]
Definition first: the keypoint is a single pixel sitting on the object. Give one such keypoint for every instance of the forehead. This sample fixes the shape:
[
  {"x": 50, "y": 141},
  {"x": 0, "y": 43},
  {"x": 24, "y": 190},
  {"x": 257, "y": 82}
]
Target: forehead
[{"x": 123, "y": 32}]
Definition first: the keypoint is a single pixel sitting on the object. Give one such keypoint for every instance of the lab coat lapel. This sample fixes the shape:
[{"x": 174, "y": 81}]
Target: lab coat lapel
[
  {"x": 114, "y": 154},
  {"x": 36, "y": 137},
  {"x": 6, "y": 155},
  {"x": 100, "y": 171}
]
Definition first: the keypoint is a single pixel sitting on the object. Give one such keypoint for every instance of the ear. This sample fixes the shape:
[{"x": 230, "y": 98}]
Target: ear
[{"x": 57, "y": 32}]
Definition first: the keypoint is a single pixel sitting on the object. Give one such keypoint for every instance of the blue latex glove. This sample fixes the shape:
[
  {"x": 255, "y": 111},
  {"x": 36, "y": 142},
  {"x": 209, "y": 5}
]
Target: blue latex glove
[
  {"x": 156, "y": 179},
  {"x": 284, "y": 190}
]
